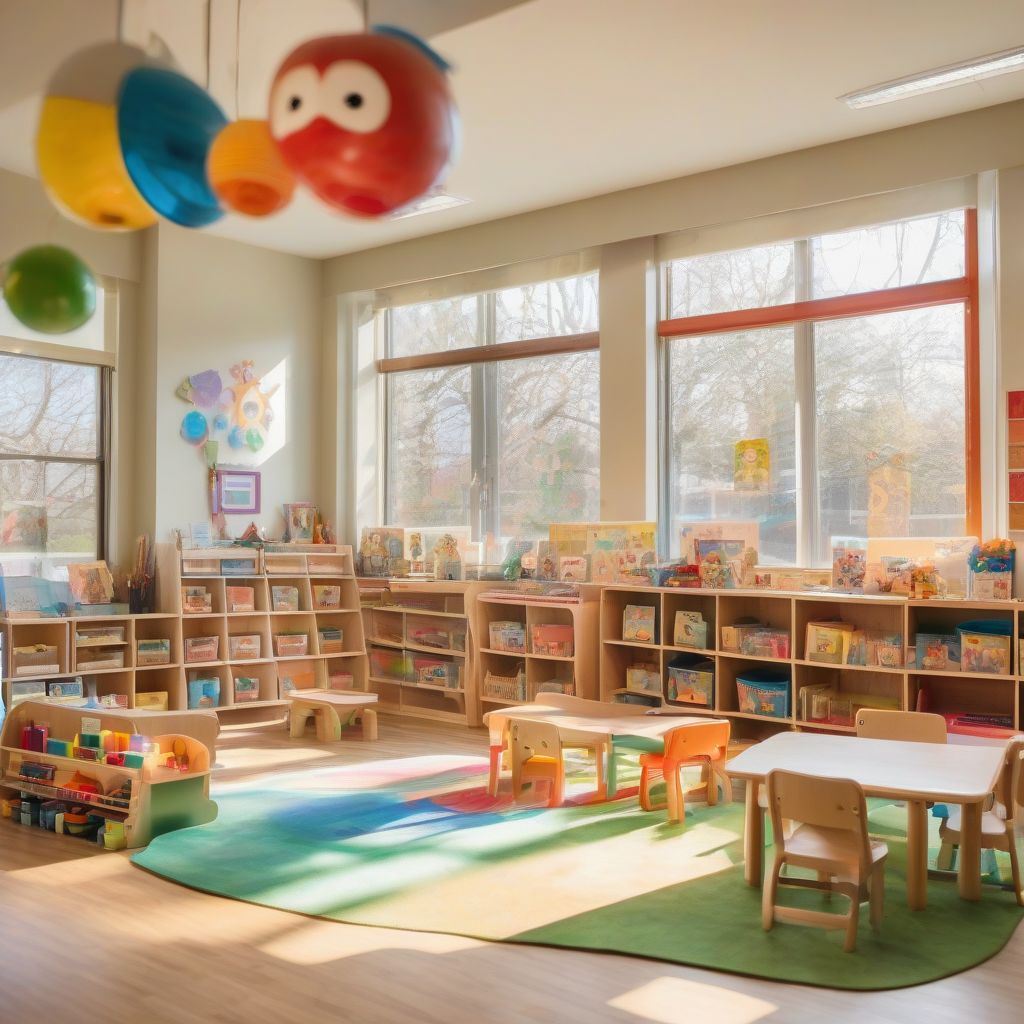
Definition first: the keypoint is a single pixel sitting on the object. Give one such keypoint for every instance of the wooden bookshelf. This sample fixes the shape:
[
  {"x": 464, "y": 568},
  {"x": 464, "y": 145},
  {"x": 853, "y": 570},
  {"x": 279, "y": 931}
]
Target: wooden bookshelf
[
  {"x": 948, "y": 692},
  {"x": 411, "y": 625},
  {"x": 114, "y": 664},
  {"x": 574, "y": 672}
]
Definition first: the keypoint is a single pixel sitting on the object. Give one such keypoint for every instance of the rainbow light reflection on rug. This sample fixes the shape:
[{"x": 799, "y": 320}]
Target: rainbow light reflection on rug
[{"x": 417, "y": 843}]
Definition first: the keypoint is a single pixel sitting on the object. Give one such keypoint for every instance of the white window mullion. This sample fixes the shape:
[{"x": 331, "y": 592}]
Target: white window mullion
[{"x": 807, "y": 504}]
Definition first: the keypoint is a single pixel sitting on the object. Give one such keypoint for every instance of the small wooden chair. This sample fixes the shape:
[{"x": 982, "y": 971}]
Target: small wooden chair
[
  {"x": 911, "y": 726},
  {"x": 831, "y": 838},
  {"x": 536, "y": 750},
  {"x": 706, "y": 745},
  {"x": 1002, "y": 826}
]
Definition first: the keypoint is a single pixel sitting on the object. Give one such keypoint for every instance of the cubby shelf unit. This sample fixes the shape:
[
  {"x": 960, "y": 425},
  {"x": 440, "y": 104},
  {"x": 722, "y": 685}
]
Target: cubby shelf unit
[
  {"x": 575, "y": 673},
  {"x": 414, "y": 623},
  {"x": 948, "y": 692}
]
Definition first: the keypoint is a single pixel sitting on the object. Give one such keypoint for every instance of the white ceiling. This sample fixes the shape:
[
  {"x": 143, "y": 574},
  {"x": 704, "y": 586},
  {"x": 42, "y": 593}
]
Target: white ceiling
[{"x": 559, "y": 99}]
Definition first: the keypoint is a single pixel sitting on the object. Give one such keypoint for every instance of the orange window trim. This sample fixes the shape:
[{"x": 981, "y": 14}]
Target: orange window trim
[{"x": 889, "y": 300}]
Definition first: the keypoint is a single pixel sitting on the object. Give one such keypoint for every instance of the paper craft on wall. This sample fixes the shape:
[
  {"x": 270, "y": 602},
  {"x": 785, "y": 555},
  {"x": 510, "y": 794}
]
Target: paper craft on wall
[
  {"x": 888, "y": 494},
  {"x": 752, "y": 465},
  {"x": 242, "y": 410},
  {"x": 237, "y": 492}
]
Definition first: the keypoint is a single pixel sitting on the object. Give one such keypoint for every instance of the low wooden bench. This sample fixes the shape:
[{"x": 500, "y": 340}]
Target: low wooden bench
[{"x": 328, "y": 708}]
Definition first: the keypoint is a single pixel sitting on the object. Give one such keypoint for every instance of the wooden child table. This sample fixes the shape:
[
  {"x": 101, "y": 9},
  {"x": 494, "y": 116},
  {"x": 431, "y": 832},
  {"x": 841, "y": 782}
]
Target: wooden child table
[
  {"x": 914, "y": 772},
  {"x": 324, "y": 707}
]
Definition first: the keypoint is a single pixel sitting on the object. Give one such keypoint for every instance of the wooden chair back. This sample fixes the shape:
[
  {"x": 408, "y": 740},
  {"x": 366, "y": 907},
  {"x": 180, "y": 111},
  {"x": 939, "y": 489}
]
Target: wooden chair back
[
  {"x": 1010, "y": 788},
  {"x": 913, "y": 726},
  {"x": 822, "y": 803},
  {"x": 533, "y": 739},
  {"x": 689, "y": 742}
]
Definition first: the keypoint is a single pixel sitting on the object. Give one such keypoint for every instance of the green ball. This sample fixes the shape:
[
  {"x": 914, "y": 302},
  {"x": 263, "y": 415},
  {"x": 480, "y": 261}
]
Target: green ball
[{"x": 50, "y": 289}]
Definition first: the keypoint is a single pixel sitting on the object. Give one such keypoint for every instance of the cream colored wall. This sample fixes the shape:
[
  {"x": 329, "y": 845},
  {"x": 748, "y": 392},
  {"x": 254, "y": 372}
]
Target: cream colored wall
[
  {"x": 948, "y": 148},
  {"x": 219, "y": 302}
]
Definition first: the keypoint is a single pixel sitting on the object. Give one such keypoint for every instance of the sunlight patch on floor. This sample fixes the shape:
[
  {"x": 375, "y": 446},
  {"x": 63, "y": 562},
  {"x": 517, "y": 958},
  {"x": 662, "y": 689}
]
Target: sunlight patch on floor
[{"x": 680, "y": 1001}]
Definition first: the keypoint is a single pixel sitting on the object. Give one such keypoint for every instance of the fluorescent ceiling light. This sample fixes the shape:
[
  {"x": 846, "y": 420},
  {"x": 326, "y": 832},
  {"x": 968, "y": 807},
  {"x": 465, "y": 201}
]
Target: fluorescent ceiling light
[
  {"x": 938, "y": 78},
  {"x": 431, "y": 203}
]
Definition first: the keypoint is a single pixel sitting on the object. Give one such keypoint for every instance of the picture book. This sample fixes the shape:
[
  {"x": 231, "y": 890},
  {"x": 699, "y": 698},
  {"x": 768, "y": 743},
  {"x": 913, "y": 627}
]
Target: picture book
[
  {"x": 643, "y": 678},
  {"x": 326, "y": 596},
  {"x": 721, "y": 562},
  {"x": 849, "y": 567},
  {"x": 284, "y": 599},
  {"x": 604, "y": 567},
  {"x": 828, "y": 642},
  {"x": 91, "y": 582},
  {"x": 638, "y": 624},
  {"x": 690, "y": 630},
  {"x": 745, "y": 530},
  {"x": 984, "y": 652},
  {"x": 547, "y": 561},
  {"x": 573, "y": 568}
]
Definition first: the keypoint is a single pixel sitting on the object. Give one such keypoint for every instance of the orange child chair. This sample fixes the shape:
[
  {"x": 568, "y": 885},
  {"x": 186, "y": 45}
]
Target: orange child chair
[
  {"x": 536, "y": 750},
  {"x": 706, "y": 745},
  {"x": 830, "y": 837}
]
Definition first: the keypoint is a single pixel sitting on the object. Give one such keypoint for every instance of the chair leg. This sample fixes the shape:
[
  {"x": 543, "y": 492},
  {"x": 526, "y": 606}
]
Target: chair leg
[
  {"x": 851, "y": 922},
  {"x": 493, "y": 772},
  {"x": 946, "y": 859},
  {"x": 675, "y": 794},
  {"x": 601, "y": 753},
  {"x": 711, "y": 781},
  {"x": 648, "y": 777},
  {"x": 877, "y": 904},
  {"x": 1018, "y": 882},
  {"x": 768, "y": 899},
  {"x": 826, "y": 878}
]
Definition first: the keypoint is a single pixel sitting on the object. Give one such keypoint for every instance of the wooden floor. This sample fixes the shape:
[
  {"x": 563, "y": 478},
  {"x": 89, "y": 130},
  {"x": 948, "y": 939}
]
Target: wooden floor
[{"x": 84, "y": 935}]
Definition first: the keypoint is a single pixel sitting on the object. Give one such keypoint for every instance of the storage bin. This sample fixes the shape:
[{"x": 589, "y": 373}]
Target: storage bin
[
  {"x": 986, "y": 646},
  {"x": 98, "y": 657},
  {"x": 393, "y": 665},
  {"x": 201, "y": 648},
  {"x": 35, "y": 660},
  {"x": 510, "y": 688},
  {"x": 152, "y": 700},
  {"x": 203, "y": 693},
  {"x": 284, "y": 599},
  {"x": 153, "y": 652},
  {"x": 691, "y": 680},
  {"x": 291, "y": 645},
  {"x": 552, "y": 639},
  {"x": 246, "y": 689},
  {"x": 762, "y": 692},
  {"x": 244, "y": 646},
  {"x": 436, "y": 672},
  {"x": 98, "y": 636},
  {"x": 241, "y": 599}
]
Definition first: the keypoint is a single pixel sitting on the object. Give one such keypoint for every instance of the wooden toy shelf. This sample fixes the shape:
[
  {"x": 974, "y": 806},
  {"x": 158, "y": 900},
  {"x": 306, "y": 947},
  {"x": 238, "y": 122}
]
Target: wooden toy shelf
[
  {"x": 162, "y": 799},
  {"x": 532, "y": 668},
  {"x": 119, "y": 669},
  {"x": 414, "y": 623},
  {"x": 948, "y": 692}
]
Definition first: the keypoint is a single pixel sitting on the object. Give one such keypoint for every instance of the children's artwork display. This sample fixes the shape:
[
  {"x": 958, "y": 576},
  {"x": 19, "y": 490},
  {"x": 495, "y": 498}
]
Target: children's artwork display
[
  {"x": 745, "y": 530},
  {"x": 240, "y": 408},
  {"x": 752, "y": 465},
  {"x": 889, "y": 482},
  {"x": 91, "y": 582},
  {"x": 991, "y": 570},
  {"x": 721, "y": 562},
  {"x": 236, "y": 492},
  {"x": 849, "y": 566},
  {"x": 300, "y": 519},
  {"x": 573, "y": 568}
]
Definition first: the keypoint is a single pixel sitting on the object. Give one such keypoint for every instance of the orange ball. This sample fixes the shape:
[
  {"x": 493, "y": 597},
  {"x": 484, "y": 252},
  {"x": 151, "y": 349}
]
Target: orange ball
[{"x": 246, "y": 170}]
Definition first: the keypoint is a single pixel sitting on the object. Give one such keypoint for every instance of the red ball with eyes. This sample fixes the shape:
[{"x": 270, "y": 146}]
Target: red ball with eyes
[{"x": 366, "y": 121}]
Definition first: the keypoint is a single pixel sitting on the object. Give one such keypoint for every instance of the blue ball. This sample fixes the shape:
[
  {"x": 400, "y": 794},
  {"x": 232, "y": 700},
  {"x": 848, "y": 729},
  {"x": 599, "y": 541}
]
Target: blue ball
[
  {"x": 194, "y": 427},
  {"x": 220, "y": 422},
  {"x": 236, "y": 438},
  {"x": 166, "y": 125}
]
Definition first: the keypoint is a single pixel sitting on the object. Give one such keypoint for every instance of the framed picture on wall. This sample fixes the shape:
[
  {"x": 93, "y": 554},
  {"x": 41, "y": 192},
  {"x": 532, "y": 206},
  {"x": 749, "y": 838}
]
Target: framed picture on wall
[{"x": 237, "y": 491}]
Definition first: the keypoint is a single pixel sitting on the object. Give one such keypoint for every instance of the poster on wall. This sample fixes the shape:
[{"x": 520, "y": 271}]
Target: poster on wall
[
  {"x": 752, "y": 465},
  {"x": 888, "y": 494}
]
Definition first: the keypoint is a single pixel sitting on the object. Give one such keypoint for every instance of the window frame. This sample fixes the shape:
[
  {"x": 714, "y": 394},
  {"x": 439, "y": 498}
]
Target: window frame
[
  {"x": 102, "y": 460},
  {"x": 801, "y": 315},
  {"x": 484, "y": 511}
]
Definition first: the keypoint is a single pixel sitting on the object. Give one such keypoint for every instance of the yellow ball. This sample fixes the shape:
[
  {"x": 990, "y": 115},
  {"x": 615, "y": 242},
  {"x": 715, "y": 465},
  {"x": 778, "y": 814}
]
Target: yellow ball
[
  {"x": 80, "y": 164},
  {"x": 77, "y": 146}
]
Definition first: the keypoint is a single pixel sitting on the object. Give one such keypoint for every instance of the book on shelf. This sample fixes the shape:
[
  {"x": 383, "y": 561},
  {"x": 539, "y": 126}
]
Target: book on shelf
[
  {"x": 733, "y": 636},
  {"x": 875, "y": 647},
  {"x": 829, "y": 642},
  {"x": 643, "y": 678},
  {"x": 638, "y": 624},
  {"x": 326, "y": 596},
  {"x": 690, "y": 630},
  {"x": 507, "y": 636},
  {"x": 284, "y": 598},
  {"x": 984, "y": 652}
]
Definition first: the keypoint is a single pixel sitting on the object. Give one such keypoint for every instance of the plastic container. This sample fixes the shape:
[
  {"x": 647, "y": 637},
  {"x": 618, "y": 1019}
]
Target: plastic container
[
  {"x": 986, "y": 646},
  {"x": 763, "y": 692},
  {"x": 691, "y": 680}
]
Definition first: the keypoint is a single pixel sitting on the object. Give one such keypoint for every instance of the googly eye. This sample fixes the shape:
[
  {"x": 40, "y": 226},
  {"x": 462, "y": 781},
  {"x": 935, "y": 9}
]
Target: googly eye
[
  {"x": 355, "y": 96},
  {"x": 295, "y": 100}
]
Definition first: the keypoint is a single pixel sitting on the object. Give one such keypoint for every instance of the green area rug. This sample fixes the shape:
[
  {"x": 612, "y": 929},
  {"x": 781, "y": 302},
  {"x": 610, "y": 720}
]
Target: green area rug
[{"x": 418, "y": 844}]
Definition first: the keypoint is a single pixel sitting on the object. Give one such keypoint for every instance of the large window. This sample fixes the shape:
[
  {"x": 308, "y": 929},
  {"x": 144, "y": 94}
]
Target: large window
[
  {"x": 853, "y": 356},
  {"x": 51, "y": 462},
  {"x": 492, "y": 409}
]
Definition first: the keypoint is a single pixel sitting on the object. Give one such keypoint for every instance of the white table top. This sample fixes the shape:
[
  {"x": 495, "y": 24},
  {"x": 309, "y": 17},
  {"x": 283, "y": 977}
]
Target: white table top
[
  {"x": 647, "y": 726},
  {"x": 932, "y": 771},
  {"x": 349, "y": 697}
]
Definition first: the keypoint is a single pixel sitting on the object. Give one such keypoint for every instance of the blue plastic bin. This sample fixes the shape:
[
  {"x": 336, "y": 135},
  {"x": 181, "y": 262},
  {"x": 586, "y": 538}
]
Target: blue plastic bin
[{"x": 763, "y": 692}]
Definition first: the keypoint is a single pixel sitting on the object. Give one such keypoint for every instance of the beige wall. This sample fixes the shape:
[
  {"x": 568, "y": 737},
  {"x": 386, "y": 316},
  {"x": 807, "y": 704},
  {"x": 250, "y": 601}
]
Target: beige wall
[{"x": 219, "y": 302}]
